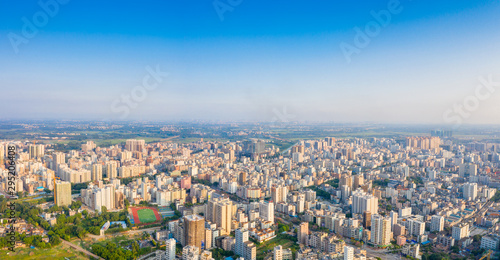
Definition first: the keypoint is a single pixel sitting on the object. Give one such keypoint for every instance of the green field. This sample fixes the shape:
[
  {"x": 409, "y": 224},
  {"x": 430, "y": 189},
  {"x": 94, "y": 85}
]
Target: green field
[
  {"x": 265, "y": 248},
  {"x": 57, "y": 252},
  {"x": 146, "y": 215}
]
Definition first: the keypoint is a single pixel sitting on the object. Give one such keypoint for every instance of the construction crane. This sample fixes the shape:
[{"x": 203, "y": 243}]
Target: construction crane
[
  {"x": 55, "y": 189},
  {"x": 487, "y": 256}
]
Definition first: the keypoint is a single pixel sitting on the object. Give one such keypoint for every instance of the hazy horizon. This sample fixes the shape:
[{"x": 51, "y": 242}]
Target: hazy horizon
[{"x": 261, "y": 61}]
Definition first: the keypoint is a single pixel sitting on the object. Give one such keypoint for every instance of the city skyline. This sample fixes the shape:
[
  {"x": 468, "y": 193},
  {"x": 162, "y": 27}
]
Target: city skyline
[
  {"x": 250, "y": 130},
  {"x": 273, "y": 62}
]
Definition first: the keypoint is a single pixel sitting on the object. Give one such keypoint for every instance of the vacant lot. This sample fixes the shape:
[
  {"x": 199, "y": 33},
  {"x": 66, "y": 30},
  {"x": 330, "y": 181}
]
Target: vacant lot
[
  {"x": 57, "y": 252},
  {"x": 264, "y": 248}
]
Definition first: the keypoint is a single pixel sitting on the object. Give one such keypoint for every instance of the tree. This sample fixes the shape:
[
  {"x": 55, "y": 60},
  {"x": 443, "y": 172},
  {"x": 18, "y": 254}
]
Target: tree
[
  {"x": 80, "y": 232},
  {"x": 75, "y": 205}
]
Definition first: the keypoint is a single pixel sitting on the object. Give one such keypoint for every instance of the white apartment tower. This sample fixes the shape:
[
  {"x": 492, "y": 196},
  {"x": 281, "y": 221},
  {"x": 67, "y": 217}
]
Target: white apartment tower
[
  {"x": 362, "y": 202},
  {"x": 267, "y": 211},
  {"x": 170, "y": 251},
  {"x": 437, "y": 223},
  {"x": 470, "y": 191},
  {"x": 381, "y": 230}
]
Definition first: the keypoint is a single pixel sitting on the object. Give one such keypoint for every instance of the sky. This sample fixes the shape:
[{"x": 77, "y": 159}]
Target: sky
[{"x": 405, "y": 61}]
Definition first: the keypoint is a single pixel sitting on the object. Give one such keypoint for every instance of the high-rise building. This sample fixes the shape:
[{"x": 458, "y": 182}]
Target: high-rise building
[
  {"x": 414, "y": 225},
  {"x": 381, "y": 230},
  {"x": 186, "y": 182},
  {"x": 135, "y": 145},
  {"x": 170, "y": 250},
  {"x": 470, "y": 191},
  {"x": 241, "y": 236},
  {"x": 358, "y": 181},
  {"x": 194, "y": 230},
  {"x": 57, "y": 159},
  {"x": 112, "y": 169},
  {"x": 279, "y": 193},
  {"x": 191, "y": 253},
  {"x": 193, "y": 171},
  {"x": 441, "y": 133},
  {"x": 96, "y": 172},
  {"x": 367, "y": 219},
  {"x": 348, "y": 253},
  {"x": 423, "y": 142},
  {"x": 346, "y": 179},
  {"x": 278, "y": 253},
  {"x": 303, "y": 233},
  {"x": 362, "y": 202},
  {"x": 330, "y": 141},
  {"x": 310, "y": 195},
  {"x": 437, "y": 223},
  {"x": 107, "y": 196},
  {"x": 345, "y": 192},
  {"x": 2, "y": 153},
  {"x": 208, "y": 238},
  {"x": 63, "y": 193},
  {"x": 267, "y": 211},
  {"x": 242, "y": 178},
  {"x": 36, "y": 150},
  {"x": 460, "y": 231},
  {"x": 254, "y": 147},
  {"x": 394, "y": 219},
  {"x": 88, "y": 146},
  {"x": 145, "y": 190},
  {"x": 490, "y": 242},
  {"x": 219, "y": 211},
  {"x": 250, "y": 251},
  {"x": 467, "y": 169},
  {"x": 405, "y": 212}
]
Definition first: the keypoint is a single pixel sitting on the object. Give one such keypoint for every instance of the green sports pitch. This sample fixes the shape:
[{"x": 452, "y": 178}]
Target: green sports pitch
[{"x": 146, "y": 215}]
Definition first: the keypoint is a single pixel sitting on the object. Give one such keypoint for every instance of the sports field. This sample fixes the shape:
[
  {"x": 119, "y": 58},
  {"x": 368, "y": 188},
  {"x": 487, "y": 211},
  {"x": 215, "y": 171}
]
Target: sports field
[{"x": 144, "y": 215}]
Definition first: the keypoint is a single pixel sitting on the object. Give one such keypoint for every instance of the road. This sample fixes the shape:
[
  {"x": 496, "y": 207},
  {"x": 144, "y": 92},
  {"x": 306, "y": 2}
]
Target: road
[
  {"x": 479, "y": 212},
  {"x": 78, "y": 248},
  {"x": 286, "y": 150},
  {"x": 170, "y": 138}
]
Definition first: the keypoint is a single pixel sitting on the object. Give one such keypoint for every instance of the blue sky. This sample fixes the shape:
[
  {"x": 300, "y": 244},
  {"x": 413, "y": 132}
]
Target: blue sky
[{"x": 263, "y": 57}]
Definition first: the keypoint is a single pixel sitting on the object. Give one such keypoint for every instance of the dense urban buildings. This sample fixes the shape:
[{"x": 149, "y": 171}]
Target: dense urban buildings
[{"x": 236, "y": 196}]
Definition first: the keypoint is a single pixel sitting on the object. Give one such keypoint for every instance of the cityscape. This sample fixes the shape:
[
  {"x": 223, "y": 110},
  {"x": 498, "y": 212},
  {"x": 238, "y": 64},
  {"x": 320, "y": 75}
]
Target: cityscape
[
  {"x": 253, "y": 195},
  {"x": 249, "y": 130}
]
